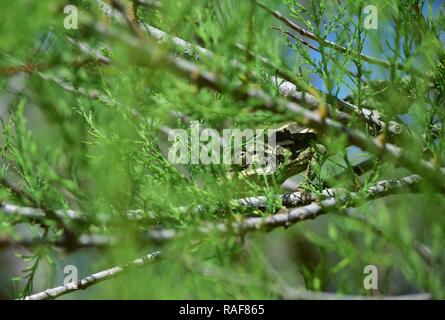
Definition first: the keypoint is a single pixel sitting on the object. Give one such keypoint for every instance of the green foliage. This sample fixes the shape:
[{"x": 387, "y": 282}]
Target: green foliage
[{"x": 89, "y": 136}]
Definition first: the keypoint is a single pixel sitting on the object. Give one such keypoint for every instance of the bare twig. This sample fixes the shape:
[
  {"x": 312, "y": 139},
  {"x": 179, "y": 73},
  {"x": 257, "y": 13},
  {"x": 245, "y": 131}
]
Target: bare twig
[
  {"x": 97, "y": 241},
  {"x": 315, "y": 209},
  {"x": 95, "y": 278},
  {"x": 85, "y": 48},
  {"x": 35, "y": 213},
  {"x": 83, "y": 241}
]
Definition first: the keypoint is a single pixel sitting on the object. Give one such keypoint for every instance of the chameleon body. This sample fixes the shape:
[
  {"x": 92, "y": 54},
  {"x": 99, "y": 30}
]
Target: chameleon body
[{"x": 294, "y": 151}]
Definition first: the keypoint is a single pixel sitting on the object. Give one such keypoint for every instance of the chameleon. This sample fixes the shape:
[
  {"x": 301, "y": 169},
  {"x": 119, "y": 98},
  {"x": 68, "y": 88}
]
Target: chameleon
[{"x": 294, "y": 152}]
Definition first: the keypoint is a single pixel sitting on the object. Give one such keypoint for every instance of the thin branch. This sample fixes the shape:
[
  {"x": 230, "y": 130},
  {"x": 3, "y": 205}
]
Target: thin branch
[
  {"x": 90, "y": 94},
  {"x": 95, "y": 278},
  {"x": 85, "y": 48},
  {"x": 36, "y": 213},
  {"x": 328, "y": 43},
  {"x": 316, "y": 208},
  {"x": 47, "y": 212},
  {"x": 83, "y": 241}
]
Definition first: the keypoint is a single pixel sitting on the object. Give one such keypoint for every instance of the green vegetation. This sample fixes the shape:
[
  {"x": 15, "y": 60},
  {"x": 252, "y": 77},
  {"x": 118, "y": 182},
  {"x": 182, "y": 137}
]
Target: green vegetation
[{"x": 85, "y": 178}]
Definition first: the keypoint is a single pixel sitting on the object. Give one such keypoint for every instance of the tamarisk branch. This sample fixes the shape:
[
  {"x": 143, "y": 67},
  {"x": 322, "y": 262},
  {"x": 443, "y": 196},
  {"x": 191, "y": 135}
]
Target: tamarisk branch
[{"x": 94, "y": 278}]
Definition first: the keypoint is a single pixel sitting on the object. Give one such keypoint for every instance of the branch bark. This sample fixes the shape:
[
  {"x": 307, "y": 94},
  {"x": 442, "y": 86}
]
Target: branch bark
[
  {"x": 94, "y": 278},
  {"x": 316, "y": 208}
]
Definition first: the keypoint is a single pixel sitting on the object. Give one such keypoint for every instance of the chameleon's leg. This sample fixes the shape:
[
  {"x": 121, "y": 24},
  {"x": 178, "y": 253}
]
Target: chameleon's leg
[
  {"x": 318, "y": 154},
  {"x": 310, "y": 172}
]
